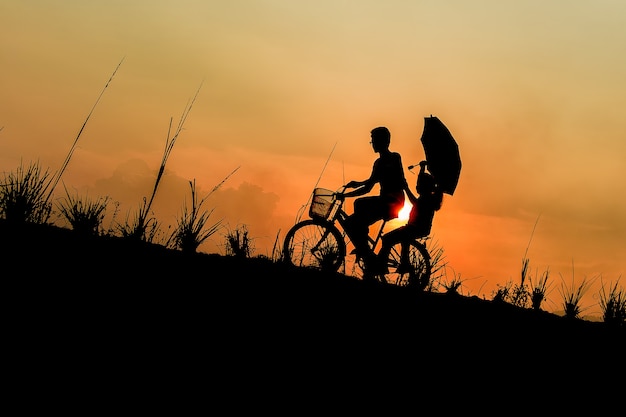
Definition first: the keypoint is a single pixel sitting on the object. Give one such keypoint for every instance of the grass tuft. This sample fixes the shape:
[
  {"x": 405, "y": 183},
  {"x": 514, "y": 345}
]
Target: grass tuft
[
  {"x": 190, "y": 230},
  {"x": 238, "y": 242},
  {"x": 23, "y": 195},
  {"x": 515, "y": 294},
  {"x": 539, "y": 290},
  {"x": 140, "y": 227},
  {"x": 452, "y": 286},
  {"x": 84, "y": 215},
  {"x": 572, "y": 297},
  {"x": 613, "y": 305}
]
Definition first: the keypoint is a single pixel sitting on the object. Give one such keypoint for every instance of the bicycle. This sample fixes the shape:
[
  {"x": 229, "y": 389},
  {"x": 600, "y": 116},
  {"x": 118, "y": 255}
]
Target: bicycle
[{"x": 321, "y": 242}]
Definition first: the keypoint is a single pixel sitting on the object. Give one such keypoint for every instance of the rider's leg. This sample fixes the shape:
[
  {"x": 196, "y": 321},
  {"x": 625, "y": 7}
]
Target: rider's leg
[
  {"x": 404, "y": 256},
  {"x": 388, "y": 240},
  {"x": 404, "y": 235},
  {"x": 411, "y": 232},
  {"x": 367, "y": 211}
]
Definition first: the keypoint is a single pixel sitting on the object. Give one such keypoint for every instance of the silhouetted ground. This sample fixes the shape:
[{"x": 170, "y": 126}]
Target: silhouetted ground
[{"x": 140, "y": 315}]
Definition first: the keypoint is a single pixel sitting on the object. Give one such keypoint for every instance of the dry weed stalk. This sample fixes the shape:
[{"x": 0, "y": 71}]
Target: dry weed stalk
[
  {"x": 144, "y": 228},
  {"x": 190, "y": 231},
  {"x": 80, "y": 132}
]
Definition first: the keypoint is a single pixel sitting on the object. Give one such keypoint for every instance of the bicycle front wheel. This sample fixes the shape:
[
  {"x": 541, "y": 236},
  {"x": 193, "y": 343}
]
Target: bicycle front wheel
[
  {"x": 413, "y": 268},
  {"x": 314, "y": 244}
]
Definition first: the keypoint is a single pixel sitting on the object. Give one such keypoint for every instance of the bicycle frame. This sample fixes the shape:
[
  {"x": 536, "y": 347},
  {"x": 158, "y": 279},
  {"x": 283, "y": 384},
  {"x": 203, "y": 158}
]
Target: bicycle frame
[
  {"x": 321, "y": 242},
  {"x": 341, "y": 218}
]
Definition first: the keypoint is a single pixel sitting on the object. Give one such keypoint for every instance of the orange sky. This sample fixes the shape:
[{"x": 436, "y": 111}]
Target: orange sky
[{"x": 534, "y": 92}]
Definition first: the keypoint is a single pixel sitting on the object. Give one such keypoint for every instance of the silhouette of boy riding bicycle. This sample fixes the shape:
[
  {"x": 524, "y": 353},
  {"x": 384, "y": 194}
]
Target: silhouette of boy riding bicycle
[{"x": 403, "y": 258}]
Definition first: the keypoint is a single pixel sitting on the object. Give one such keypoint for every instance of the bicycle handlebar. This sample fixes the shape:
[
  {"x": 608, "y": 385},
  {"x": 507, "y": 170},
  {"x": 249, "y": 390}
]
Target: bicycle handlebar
[{"x": 340, "y": 192}]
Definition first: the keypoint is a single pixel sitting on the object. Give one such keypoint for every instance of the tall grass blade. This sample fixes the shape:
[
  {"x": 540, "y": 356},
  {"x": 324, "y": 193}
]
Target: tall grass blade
[
  {"x": 169, "y": 145},
  {"x": 80, "y": 132},
  {"x": 141, "y": 220}
]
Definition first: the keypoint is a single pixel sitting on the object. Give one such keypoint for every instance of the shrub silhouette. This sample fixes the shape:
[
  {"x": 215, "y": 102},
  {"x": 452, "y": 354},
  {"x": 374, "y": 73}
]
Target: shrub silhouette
[{"x": 23, "y": 195}]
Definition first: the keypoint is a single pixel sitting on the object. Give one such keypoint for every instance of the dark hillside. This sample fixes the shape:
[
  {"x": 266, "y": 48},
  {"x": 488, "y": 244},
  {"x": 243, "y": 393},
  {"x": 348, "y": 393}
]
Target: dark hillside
[{"x": 113, "y": 305}]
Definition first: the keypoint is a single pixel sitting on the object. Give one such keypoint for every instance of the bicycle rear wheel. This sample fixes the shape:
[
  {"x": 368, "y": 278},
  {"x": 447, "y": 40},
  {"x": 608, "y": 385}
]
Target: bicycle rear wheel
[
  {"x": 314, "y": 244},
  {"x": 414, "y": 271}
]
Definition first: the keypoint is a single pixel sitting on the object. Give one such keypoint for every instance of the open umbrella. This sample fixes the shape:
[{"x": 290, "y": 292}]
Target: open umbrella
[{"x": 442, "y": 154}]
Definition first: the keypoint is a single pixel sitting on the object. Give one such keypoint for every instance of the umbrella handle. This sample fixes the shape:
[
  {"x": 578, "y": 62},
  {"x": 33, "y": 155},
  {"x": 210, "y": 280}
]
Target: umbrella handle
[{"x": 421, "y": 164}]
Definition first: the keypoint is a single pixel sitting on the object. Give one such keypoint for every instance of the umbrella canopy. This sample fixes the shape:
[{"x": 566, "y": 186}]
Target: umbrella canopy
[{"x": 442, "y": 154}]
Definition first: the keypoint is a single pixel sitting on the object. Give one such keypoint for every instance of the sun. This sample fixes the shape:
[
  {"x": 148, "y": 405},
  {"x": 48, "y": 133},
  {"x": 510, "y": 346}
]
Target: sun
[{"x": 403, "y": 214}]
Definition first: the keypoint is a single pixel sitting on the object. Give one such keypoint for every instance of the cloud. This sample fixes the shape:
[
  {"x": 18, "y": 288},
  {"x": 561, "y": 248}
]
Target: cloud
[{"x": 246, "y": 205}]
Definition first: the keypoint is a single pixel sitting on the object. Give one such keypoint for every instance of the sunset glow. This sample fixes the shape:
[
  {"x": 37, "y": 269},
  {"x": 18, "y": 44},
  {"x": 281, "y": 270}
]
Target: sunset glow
[
  {"x": 404, "y": 213},
  {"x": 534, "y": 93}
]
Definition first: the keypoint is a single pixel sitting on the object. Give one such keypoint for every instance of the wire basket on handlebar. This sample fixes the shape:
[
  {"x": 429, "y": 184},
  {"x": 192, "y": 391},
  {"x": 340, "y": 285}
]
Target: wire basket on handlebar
[{"x": 322, "y": 203}]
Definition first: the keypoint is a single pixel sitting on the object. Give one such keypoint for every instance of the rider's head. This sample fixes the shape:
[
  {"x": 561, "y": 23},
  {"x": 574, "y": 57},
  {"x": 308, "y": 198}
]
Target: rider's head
[{"x": 380, "y": 138}]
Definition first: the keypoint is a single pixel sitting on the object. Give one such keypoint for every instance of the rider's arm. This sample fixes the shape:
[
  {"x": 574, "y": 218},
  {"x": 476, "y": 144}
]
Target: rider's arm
[
  {"x": 360, "y": 187},
  {"x": 412, "y": 197},
  {"x": 407, "y": 190}
]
